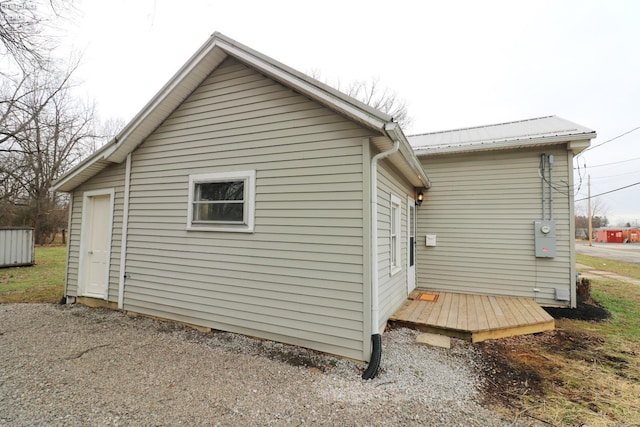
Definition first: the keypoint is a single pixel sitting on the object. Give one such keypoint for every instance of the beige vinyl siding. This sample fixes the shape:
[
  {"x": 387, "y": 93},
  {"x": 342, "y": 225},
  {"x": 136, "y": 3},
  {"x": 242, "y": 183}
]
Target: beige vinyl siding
[
  {"x": 392, "y": 288},
  {"x": 112, "y": 177},
  {"x": 482, "y": 207},
  {"x": 299, "y": 277}
]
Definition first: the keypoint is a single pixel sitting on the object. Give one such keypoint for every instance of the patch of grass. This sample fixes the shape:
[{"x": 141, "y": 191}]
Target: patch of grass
[
  {"x": 621, "y": 268},
  {"x": 43, "y": 282},
  {"x": 623, "y": 301}
]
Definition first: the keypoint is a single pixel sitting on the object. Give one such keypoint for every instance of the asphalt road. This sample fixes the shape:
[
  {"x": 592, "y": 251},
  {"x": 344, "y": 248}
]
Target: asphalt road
[{"x": 624, "y": 252}]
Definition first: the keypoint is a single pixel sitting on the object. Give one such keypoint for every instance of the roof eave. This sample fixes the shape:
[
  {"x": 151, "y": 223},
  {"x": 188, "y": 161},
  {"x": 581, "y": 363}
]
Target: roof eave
[
  {"x": 576, "y": 143},
  {"x": 75, "y": 176},
  {"x": 579, "y": 146},
  {"x": 419, "y": 178}
]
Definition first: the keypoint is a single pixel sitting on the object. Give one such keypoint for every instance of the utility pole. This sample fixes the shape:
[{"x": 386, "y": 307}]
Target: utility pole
[{"x": 589, "y": 210}]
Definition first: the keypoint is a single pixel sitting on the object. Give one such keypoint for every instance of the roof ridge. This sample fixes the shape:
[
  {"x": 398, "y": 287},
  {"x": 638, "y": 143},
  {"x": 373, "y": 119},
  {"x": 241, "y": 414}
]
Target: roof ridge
[{"x": 482, "y": 126}]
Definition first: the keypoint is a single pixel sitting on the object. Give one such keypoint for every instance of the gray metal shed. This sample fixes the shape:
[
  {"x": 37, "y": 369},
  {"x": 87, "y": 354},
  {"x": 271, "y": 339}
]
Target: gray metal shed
[{"x": 16, "y": 247}]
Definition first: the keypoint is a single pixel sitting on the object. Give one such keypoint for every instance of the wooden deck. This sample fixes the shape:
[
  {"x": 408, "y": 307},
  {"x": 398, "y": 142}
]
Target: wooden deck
[{"x": 472, "y": 317}]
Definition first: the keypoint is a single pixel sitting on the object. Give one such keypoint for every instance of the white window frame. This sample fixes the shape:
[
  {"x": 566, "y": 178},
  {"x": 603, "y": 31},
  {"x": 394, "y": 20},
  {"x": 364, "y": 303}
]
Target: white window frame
[
  {"x": 395, "y": 235},
  {"x": 249, "y": 201}
]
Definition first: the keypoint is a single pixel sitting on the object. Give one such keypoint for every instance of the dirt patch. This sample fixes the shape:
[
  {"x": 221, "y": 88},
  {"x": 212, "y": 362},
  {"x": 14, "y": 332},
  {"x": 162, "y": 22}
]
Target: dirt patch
[
  {"x": 530, "y": 365},
  {"x": 522, "y": 371},
  {"x": 295, "y": 356},
  {"x": 512, "y": 370},
  {"x": 586, "y": 309}
]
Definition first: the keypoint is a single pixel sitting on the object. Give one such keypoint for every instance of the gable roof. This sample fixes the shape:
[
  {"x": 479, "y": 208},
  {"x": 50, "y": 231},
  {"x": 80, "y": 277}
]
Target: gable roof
[
  {"x": 210, "y": 55},
  {"x": 535, "y": 132}
]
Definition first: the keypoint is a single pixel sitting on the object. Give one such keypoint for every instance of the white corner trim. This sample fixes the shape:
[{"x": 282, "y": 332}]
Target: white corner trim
[{"x": 125, "y": 231}]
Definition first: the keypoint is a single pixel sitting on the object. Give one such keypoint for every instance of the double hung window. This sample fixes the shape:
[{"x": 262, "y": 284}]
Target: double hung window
[{"x": 222, "y": 201}]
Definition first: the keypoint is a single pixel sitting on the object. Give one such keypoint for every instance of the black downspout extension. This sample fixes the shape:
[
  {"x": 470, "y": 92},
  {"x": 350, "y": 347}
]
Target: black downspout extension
[{"x": 376, "y": 355}]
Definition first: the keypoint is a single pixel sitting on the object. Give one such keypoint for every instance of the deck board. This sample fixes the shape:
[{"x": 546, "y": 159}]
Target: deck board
[
  {"x": 472, "y": 318},
  {"x": 475, "y": 317},
  {"x": 483, "y": 322},
  {"x": 415, "y": 312},
  {"x": 463, "y": 315},
  {"x": 454, "y": 310},
  {"x": 435, "y": 313}
]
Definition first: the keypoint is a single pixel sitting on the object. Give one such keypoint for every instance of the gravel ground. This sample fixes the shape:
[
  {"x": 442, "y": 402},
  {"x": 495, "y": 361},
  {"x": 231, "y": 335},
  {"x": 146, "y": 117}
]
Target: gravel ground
[{"x": 73, "y": 365}]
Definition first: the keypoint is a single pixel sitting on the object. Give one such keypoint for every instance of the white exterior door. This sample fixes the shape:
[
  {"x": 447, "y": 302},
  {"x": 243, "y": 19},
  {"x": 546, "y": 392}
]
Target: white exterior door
[
  {"x": 95, "y": 246},
  {"x": 411, "y": 242}
]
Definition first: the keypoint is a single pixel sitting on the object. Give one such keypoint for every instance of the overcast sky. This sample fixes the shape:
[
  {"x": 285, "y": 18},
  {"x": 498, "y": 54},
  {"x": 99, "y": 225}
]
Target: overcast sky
[{"x": 456, "y": 63}]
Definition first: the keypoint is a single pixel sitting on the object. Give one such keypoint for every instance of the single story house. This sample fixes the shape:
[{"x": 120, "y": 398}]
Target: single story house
[{"x": 251, "y": 198}]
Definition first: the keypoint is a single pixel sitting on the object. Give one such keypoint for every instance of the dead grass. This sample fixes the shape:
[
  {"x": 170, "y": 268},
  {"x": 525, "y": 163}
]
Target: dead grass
[{"x": 583, "y": 373}]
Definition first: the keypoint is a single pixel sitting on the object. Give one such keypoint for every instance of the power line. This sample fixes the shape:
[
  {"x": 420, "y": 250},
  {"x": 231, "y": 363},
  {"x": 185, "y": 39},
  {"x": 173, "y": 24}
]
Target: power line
[
  {"x": 612, "y": 163},
  {"x": 635, "y": 172},
  {"x": 610, "y": 191},
  {"x": 612, "y": 139}
]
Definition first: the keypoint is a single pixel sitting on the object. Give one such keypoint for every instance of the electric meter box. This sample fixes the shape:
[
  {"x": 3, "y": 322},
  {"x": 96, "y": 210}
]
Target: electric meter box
[{"x": 545, "y": 238}]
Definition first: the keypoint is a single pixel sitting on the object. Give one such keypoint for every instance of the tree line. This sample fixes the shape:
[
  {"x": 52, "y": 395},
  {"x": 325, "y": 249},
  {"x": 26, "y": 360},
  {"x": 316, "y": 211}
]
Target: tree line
[{"x": 44, "y": 128}]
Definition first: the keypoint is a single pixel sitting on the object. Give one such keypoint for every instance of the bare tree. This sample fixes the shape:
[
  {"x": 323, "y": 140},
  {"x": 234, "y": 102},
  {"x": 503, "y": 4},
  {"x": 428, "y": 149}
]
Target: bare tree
[
  {"x": 107, "y": 130},
  {"x": 23, "y": 25},
  {"x": 597, "y": 221},
  {"x": 373, "y": 94},
  {"x": 381, "y": 98},
  {"x": 44, "y": 132},
  {"x": 599, "y": 210}
]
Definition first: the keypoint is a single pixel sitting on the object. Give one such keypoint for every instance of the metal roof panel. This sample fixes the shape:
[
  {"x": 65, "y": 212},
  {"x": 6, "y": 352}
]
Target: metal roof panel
[{"x": 529, "y": 132}]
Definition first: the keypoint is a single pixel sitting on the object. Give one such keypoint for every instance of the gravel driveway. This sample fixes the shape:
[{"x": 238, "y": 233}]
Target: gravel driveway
[{"x": 73, "y": 365}]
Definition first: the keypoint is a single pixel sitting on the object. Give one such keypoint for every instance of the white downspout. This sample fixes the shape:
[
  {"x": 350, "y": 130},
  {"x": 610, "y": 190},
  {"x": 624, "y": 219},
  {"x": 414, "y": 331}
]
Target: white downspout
[
  {"x": 125, "y": 229},
  {"x": 374, "y": 234},
  {"x": 374, "y": 361}
]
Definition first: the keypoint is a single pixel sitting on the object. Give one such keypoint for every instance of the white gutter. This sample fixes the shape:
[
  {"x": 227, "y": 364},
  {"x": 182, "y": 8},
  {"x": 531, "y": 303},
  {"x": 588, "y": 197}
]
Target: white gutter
[
  {"x": 389, "y": 127},
  {"x": 125, "y": 229}
]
